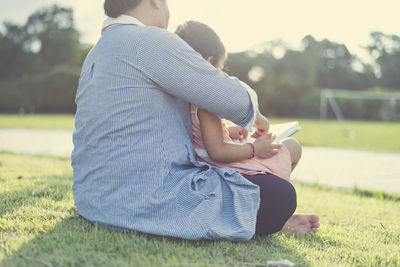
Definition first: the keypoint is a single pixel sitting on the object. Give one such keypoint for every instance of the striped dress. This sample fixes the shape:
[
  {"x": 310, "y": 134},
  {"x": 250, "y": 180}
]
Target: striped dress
[{"x": 279, "y": 165}]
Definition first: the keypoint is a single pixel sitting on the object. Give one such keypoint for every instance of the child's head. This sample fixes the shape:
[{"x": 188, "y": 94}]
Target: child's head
[{"x": 204, "y": 40}]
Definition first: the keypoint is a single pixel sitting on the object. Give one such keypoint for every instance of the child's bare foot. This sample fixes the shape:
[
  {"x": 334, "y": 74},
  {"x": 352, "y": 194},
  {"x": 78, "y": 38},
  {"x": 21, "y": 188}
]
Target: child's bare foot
[{"x": 301, "y": 224}]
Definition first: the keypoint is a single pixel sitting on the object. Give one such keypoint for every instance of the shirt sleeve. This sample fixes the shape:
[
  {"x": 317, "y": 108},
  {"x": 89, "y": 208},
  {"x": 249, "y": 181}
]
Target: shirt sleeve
[
  {"x": 182, "y": 72},
  {"x": 254, "y": 103}
]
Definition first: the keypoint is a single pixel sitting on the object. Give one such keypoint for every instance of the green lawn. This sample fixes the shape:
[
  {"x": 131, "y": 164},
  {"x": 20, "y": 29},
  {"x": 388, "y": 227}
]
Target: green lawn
[
  {"x": 39, "y": 226},
  {"x": 39, "y": 121},
  {"x": 377, "y": 136}
]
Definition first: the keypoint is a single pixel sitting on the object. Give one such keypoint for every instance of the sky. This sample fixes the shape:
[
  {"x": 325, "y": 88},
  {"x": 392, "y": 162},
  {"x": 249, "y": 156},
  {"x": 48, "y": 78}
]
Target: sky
[{"x": 244, "y": 24}]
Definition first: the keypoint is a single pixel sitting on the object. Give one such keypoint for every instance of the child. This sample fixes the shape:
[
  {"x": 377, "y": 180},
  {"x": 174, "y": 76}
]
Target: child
[{"x": 212, "y": 140}]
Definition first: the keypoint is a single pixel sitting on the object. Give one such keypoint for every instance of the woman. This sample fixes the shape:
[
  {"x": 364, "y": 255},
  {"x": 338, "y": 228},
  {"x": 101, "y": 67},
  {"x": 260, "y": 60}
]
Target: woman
[{"x": 133, "y": 159}]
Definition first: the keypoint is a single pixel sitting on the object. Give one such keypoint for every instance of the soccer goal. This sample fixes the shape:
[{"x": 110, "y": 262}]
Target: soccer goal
[{"x": 329, "y": 96}]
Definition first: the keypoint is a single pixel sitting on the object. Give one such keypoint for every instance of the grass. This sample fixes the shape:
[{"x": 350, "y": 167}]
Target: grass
[
  {"x": 39, "y": 121},
  {"x": 376, "y": 136},
  {"x": 39, "y": 226},
  {"x": 370, "y": 135}
]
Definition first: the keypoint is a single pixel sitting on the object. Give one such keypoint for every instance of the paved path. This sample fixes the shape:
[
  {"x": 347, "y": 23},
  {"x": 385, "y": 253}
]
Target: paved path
[
  {"x": 336, "y": 167},
  {"x": 350, "y": 168},
  {"x": 37, "y": 142}
]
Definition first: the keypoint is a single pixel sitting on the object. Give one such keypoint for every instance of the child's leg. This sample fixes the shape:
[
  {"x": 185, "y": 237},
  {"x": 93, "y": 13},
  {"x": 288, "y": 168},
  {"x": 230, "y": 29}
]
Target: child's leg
[{"x": 295, "y": 150}]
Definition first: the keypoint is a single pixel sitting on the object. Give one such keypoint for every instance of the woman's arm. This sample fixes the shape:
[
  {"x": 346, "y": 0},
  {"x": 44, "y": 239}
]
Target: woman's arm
[
  {"x": 179, "y": 70},
  {"x": 211, "y": 130}
]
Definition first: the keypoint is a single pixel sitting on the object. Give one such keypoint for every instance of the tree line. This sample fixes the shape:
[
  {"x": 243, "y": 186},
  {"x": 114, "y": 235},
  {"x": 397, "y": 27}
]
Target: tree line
[
  {"x": 40, "y": 64},
  {"x": 289, "y": 82}
]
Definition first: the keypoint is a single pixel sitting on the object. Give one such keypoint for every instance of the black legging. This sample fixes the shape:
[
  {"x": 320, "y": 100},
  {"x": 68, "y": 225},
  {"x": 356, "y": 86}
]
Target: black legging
[{"x": 278, "y": 202}]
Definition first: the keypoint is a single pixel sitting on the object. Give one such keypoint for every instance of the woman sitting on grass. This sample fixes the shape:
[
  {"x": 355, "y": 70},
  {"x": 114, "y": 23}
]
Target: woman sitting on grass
[{"x": 133, "y": 159}]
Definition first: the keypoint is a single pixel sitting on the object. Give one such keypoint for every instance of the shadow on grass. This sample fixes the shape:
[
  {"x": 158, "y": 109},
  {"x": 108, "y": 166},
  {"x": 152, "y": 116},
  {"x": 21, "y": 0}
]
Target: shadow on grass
[
  {"x": 366, "y": 193},
  {"x": 76, "y": 242},
  {"x": 376, "y": 194},
  {"x": 31, "y": 195}
]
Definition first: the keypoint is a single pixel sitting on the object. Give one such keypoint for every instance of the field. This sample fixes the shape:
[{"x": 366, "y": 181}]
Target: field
[
  {"x": 377, "y": 136},
  {"x": 39, "y": 226},
  {"x": 39, "y": 121}
]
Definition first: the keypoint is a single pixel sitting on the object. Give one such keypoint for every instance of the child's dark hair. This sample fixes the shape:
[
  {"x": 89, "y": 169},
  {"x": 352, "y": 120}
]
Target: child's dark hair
[{"x": 202, "y": 39}]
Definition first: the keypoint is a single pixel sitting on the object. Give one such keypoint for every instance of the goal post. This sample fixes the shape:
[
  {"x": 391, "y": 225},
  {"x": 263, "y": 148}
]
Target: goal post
[{"x": 329, "y": 96}]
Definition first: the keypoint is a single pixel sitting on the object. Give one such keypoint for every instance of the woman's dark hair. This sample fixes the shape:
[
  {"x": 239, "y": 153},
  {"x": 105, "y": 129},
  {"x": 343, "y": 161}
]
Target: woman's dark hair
[
  {"x": 115, "y": 8},
  {"x": 202, "y": 39}
]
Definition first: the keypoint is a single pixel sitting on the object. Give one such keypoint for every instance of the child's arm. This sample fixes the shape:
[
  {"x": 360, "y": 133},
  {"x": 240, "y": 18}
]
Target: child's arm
[
  {"x": 213, "y": 139},
  {"x": 211, "y": 131}
]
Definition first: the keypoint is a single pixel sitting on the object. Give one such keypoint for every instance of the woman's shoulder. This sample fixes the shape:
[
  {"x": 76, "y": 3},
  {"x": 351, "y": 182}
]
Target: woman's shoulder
[
  {"x": 163, "y": 43},
  {"x": 147, "y": 34},
  {"x": 156, "y": 36}
]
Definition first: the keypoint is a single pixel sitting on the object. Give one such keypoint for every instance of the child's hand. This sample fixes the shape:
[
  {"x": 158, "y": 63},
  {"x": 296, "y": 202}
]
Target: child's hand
[
  {"x": 238, "y": 133},
  {"x": 264, "y": 146},
  {"x": 258, "y": 133},
  {"x": 262, "y": 125}
]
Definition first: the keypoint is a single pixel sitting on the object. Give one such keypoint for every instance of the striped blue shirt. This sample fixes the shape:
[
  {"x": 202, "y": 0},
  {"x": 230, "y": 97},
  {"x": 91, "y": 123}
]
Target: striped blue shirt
[{"x": 133, "y": 158}]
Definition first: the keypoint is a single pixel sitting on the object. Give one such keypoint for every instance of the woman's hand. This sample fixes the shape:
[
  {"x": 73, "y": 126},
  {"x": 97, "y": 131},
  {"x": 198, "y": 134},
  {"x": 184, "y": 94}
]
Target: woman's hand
[
  {"x": 262, "y": 125},
  {"x": 238, "y": 133},
  {"x": 264, "y": 148}
]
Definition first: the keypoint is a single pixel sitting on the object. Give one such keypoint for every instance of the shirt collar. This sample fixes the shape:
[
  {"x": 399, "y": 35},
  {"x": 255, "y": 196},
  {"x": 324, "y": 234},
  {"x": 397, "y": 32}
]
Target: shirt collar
[{"x": 123, "y": 19}]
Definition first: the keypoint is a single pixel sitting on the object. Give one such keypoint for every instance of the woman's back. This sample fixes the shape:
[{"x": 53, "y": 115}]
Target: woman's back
[{"x": 117, "y": 105}]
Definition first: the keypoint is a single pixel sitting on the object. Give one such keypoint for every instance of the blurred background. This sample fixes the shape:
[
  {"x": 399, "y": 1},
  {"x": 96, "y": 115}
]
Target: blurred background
[
  {"x": 287, "y": 51},
  {"x": 306, "y": 59}
]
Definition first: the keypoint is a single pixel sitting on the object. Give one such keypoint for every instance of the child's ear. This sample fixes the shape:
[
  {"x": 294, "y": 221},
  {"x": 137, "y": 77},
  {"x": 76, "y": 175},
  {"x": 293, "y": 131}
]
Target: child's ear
[{"x": 211, "y": 59}]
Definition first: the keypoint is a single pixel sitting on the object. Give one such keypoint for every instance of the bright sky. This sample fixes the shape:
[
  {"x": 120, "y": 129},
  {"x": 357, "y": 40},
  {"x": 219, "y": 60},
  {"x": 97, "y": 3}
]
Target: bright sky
[{"x": 243, "y": 24}]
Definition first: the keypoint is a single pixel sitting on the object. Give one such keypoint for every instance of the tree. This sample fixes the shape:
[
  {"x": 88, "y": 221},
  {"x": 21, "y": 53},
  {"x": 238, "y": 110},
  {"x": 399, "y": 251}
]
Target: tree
[
  {"x": 40, "y": 62},
  {"x": 14, "y": 60},
  {"x": 385, "y": 48},
  {"x": 288, "y": 83},
  {"x": 54, "y": 29}
]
